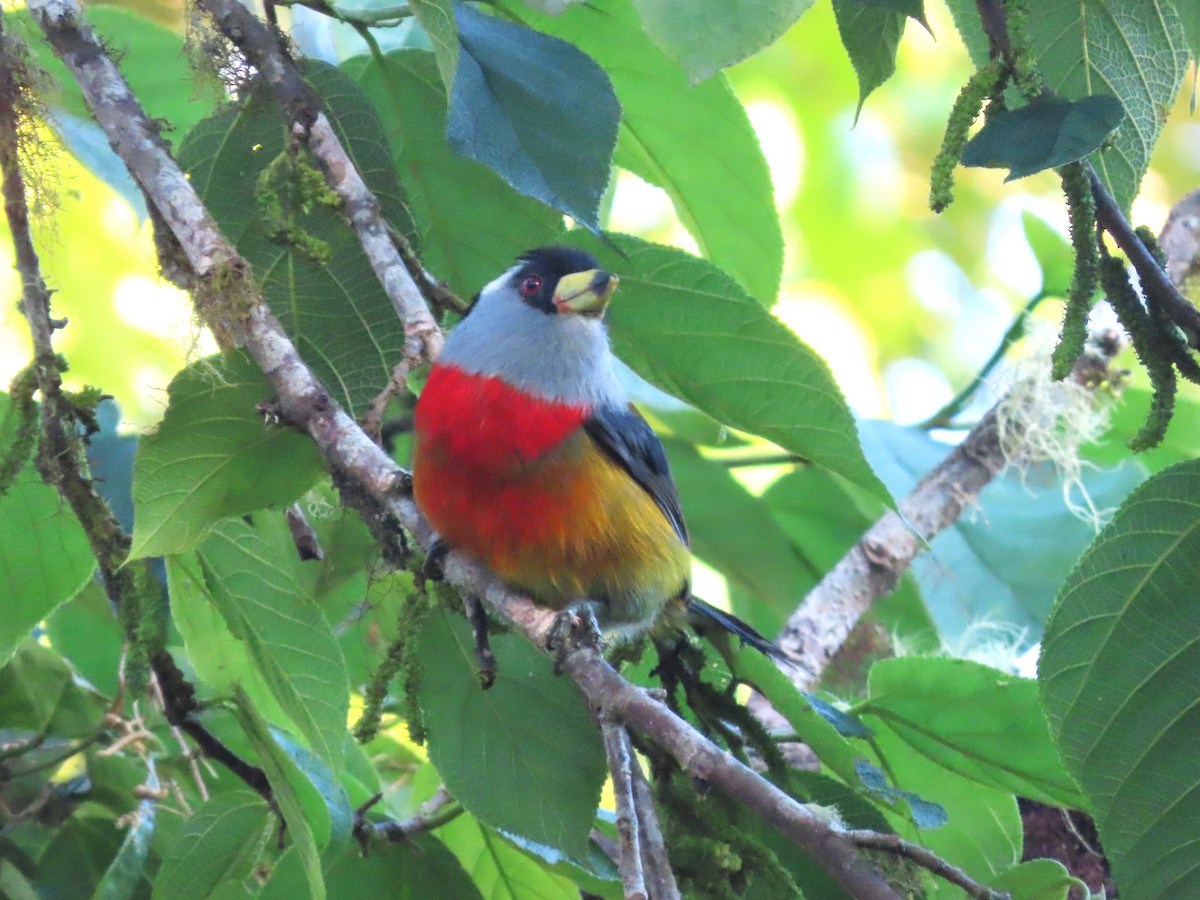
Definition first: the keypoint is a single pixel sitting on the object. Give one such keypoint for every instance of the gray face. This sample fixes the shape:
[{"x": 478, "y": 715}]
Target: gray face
[{"x": 560, "y": 357}]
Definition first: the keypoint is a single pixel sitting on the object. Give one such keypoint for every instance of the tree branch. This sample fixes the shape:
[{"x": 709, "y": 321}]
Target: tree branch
[
  {"x": 302, "y": 108},
  {"x": 873, "y": 566},
  {"x": 433, "y": 813}
]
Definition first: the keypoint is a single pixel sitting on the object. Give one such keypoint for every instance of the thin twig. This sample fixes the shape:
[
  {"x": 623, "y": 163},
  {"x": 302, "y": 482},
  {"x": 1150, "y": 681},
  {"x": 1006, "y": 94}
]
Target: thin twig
[
  {"x": 926, "y": 859},
  {"x": 620, "y": 765},
  {"x": 432, "y": 814},
  {"x": 660, "y": 879}
]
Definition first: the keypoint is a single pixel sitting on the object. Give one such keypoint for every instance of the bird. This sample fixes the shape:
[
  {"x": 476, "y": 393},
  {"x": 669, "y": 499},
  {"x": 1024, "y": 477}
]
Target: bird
[{"x": 529, "y": 456}]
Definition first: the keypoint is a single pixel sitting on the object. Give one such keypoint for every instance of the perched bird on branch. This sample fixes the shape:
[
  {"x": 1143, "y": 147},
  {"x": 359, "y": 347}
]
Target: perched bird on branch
[{"x": 529, "y": 456}]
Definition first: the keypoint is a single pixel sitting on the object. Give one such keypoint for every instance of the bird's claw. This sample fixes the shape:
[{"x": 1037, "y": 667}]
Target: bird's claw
[
  {"x": 484, "y": 657},
  {"x": 431, "y": 568},
  {"x": 574, "y": 628}
]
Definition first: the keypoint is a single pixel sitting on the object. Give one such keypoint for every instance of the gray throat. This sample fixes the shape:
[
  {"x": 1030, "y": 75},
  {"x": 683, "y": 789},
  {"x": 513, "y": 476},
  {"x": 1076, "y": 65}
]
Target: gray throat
[{"x": 563, "y": 358}]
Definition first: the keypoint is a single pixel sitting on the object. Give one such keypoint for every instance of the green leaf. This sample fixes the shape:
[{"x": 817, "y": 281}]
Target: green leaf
[
  {"x": 13, "y": 884},
  {"x": 596, "y": 874},
  {"x": 1189, "y": 13},
  {"x": 685, "y": 140},
  {"x": 1043, "y": 135},
  {"x": 524, "y": 755},
  {"x": 836, "y": 753},
  {"x": 213, "y": 457},
  {"x": 437, "y": 18},
  {"x": 733, "y": 531},
  {"x": 1117, "y": 675},
  {"x": 220, "y": 660},
  {"x": 971, "y": 719},
  {"x": 221, "y": 842},
  {"x": 39, "y": 694},
  {"x": 908, "y": 805},
  {"x": 707, "y": 37},
  {"x": 536, "y": 110},
  {"x": 871, "y": 36},
  {"x": 1182, "y": 441},
  {"x": 472, "y": 225},
  {"x": 687, "y": 327},
  {"x": 45, "y": 558},
  {"x": 415, "y": 870},
  {"x": 1132, "y": 49},
  {"x": 250, "y": 575},
  {"x": 125, "y": 872},
  {"x": 1053, "y": 253},
  {"x": 282, "y": 775},
  {"x": 1039, "y": 879},
  {"x": 501, "y": 871},
  {"x": 335, "y": 310},
  {"x": 981, "y": 829},
  {"x": 78, "y": 856},
  {"x": 321, "y": 795}
]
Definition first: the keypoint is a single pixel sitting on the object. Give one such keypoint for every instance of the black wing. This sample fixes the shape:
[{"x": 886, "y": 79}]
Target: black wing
[{"x": 629, "y": 441}]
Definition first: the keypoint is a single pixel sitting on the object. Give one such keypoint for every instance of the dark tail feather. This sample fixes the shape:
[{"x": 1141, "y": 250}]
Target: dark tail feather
[{"x": 701, "y": 613}]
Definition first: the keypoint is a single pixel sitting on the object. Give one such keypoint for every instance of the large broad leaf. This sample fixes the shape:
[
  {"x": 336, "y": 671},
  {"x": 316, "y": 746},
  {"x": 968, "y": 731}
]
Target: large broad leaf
[
  {"x": 687, "y": 327},
  {"x": 319, "y": 284},
  {"x": 437, "y": 18},
  {"x": 221, "y": 661},
  {"x": 973, "y": 720},
  {"x": 471, "y": 223},
  {"x": 982, "y": 830},
  {"x": 1038, "y": 879},
  {"x": 251, "y": 577},
  {"x": 499, "y": 870},
  {"x": 1004, "y": 562},
  {"x": 524, "y": 755},
  {"x": 45, "y": 558},
  {"x": 871, "y": 35},
  {"x": 286, "y": 783},
  {"x": 734, "y": 533},
  {"x": 1043, "y": 135},
  {"x": 685, "y": 140},
  {"x": 222, "y": 841},
  {"x": 86, "y": 632},
  {"x": 39, "y": 694},
  {"x": 1132, "y": 49},
  {"x": 1118, "y": 674},
  {"x": 536, "y": 110},
  {"x": 706, "y": 37},
  {"x": 213, "y": 456},
  {"x": 1182, "y": 440}
]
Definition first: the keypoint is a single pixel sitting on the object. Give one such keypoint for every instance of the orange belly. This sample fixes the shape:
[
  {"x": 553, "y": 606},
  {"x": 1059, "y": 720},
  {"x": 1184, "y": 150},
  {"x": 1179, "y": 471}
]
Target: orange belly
[{"x": 566, "y": 526}]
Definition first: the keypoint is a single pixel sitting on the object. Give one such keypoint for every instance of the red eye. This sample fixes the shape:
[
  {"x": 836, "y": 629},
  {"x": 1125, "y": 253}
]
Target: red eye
[{"x": 531, "y": 286}]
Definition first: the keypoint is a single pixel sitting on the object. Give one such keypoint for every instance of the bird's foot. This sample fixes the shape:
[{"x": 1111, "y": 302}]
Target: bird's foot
[
  {"x": 574, "y": 628},
  {"x": 431, "y": 568},
  {"x": 484, "y": 658}
]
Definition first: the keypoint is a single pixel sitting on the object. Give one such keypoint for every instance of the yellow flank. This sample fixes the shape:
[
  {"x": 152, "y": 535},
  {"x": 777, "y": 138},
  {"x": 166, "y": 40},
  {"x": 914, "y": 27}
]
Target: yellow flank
[{"x": 575, "y": 525}]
